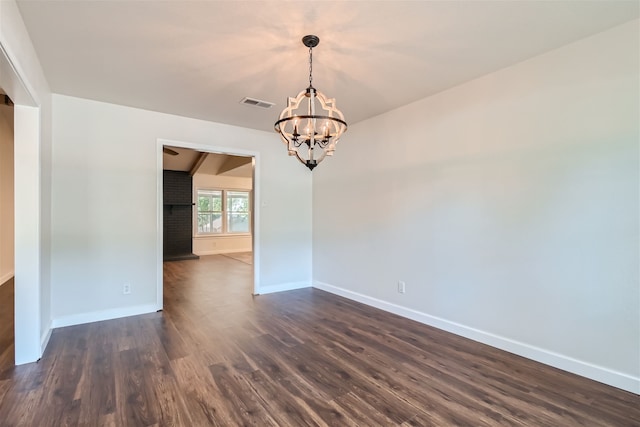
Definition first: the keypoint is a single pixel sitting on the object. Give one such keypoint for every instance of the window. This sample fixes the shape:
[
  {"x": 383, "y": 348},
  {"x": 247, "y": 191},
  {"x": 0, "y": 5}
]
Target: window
[
  {"x": 237, "y": 211},
  {"x": 209, "y": 211},
  {"x": 223, "y": 212}
]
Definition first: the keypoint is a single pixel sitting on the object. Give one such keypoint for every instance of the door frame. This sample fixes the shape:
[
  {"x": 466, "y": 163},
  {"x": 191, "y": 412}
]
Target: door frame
[
  {"x": 255, "y": 206},
  {"x": 31, "y": 334}
]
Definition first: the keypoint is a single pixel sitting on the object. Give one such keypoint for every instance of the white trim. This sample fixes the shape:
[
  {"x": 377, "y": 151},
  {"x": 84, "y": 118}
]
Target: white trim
[
  {"x": 44, "y": 340},
  {"x": 281, "y": 287},
  {"x": 255, "y": 222},
  {"x": 579, "y": 367},
  {"x": 255, "y": 192},
  {"x": 215, "y": 149},
  {"x": 27, "y": 236},
  {"x": 4, "y": 279},
  {"x": 27, "y": 134},
  {"x": 221, "y": 252},
  {"x": 159, "y": 227},
  {"x": 97, "y": 316},
  {"x": 19, "y": 89}
]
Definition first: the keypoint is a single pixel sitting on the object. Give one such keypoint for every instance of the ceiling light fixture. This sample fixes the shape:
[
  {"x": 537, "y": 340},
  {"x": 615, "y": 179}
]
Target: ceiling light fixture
[{"x": 311, "y": 129}]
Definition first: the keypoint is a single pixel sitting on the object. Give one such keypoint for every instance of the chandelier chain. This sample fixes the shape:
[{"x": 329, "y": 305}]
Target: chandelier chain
[{"x": 310, "y": 66}]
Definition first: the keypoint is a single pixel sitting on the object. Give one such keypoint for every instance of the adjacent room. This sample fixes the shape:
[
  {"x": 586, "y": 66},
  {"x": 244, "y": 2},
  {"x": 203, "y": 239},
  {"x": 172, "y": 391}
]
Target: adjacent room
[
  {"x": 373, "y": 213},
  {"x": 207, "y": 223},
  {"x": 7, "y": 348},
  {"x": 207, "y": 204}
]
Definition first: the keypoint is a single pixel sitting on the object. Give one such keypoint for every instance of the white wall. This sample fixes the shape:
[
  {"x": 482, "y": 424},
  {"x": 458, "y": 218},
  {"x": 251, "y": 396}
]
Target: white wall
[
  {"x": 211, "y": 245},
  {"x": 22, "y": 78},
  {"x": 6, "y": 193},
  {"x": 104, "y": 205},
  {"x": 509, "y": 205}
]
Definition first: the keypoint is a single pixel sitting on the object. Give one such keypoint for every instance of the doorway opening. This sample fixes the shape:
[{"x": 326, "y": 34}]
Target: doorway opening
[
  {"x": 207, "y": 210},
  {"x": 7, "y": 231}
]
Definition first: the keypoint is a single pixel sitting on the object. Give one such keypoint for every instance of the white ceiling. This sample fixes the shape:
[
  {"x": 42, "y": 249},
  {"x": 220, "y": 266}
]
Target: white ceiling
[{"x": 200, "y": 58}]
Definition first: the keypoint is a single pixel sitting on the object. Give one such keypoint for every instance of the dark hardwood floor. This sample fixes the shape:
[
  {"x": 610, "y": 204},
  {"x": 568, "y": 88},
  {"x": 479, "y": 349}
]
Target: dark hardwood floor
[
  {"x": 7, "y": 349},
  {"x": 218, "y": 356}
]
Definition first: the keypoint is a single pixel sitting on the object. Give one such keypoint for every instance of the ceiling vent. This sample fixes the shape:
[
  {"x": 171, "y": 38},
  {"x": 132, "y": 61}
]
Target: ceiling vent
[{"x": 256, "y": 103}]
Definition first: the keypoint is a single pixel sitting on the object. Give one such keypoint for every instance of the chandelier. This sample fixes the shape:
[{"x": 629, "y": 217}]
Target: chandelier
[{"x": 311, "y": 125}]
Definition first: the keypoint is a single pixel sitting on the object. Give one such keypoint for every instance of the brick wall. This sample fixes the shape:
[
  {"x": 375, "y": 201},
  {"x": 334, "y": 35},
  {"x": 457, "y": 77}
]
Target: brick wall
[{"x": 178, "y": 215}]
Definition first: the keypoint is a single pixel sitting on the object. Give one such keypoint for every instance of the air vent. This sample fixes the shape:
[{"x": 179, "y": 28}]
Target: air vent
[{"x": 256, "y": 103}]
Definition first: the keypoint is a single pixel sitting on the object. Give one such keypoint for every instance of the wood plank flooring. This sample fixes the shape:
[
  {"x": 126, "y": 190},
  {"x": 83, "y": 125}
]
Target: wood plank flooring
[
  {"x": 218, "y": 356},
  {"x": 7, "y": 349},
  {"x": 246, "y": 257}
]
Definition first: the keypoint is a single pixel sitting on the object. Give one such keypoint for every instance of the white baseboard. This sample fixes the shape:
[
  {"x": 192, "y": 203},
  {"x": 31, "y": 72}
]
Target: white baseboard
[
  {"x": 282, "y": 287},
  {"x": 5, "y": 277},
  {"x": 221, "y": 251},
  {"x": 585, "y": 369},
  {"x": 97, "y": 316},
  {"x": 44, "y": 339}
]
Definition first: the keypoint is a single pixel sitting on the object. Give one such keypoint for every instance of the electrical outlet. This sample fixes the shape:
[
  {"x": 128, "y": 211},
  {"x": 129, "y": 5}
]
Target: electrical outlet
[
  {"x": 126, "y": 289},
  {"x": 401, "y": 286}
]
